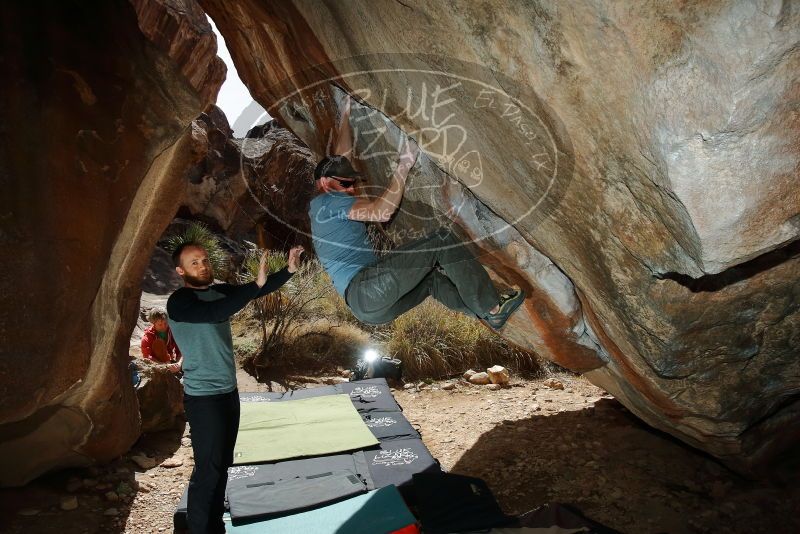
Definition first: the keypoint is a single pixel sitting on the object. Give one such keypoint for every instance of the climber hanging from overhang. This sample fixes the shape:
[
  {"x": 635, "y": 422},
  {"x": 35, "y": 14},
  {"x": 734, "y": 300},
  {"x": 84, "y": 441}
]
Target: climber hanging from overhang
[{"x": 377, "y": 290}]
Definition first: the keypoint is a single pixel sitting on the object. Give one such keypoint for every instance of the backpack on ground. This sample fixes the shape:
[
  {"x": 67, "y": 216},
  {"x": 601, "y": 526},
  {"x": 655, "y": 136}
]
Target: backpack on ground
[{"x": 384, "y": 367}]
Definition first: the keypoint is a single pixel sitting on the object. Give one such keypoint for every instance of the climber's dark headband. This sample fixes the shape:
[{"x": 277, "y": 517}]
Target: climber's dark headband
[{"x": 337, "y": 167}]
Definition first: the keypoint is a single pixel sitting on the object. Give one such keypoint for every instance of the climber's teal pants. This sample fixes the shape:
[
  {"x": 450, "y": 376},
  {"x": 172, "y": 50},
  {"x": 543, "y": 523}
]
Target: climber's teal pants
[{"x": 440, "y": 266}]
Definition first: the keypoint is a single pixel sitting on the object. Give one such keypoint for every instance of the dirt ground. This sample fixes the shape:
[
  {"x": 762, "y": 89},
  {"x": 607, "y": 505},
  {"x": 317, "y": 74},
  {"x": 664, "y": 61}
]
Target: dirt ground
[{"x": 532, "y": 444}]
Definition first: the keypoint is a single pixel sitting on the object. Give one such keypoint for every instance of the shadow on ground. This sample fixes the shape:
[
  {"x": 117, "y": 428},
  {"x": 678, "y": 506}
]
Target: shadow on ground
[{"x": 624, "y": 474}]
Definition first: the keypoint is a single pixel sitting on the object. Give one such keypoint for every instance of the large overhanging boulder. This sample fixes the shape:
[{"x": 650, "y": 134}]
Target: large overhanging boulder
[
  {"x": 633, "y": 167},
  {"x": 94, "y": 148}
]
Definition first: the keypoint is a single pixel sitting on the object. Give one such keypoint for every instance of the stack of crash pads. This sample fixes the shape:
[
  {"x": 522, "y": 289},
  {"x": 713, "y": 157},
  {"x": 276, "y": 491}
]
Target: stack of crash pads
[
  {"x": 376, "y": 512},
  {"x": 308, "y": 452},
  {"x": 296, "y": 472}
]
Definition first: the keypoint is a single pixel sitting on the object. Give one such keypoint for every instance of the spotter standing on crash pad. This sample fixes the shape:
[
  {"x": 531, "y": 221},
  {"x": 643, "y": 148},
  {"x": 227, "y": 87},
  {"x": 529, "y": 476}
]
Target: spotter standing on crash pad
[
  {"x": 379, "y": 290},
  {"x": 199, "y": 316}
]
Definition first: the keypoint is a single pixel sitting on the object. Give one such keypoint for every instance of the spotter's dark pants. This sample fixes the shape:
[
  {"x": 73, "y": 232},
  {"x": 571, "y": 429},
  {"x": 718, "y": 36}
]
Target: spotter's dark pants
[
  {"x": 214, "y": 423},
  {"x": 406, "y": 276}
]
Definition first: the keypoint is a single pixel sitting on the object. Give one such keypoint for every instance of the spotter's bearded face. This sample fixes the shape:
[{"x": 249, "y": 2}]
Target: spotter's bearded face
[{"x": 195, "y": 267}]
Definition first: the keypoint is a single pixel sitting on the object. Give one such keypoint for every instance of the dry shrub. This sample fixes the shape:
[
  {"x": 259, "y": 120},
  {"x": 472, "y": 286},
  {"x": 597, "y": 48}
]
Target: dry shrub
[
  {"x": 323, "y": 345},
  {"x": 317, "y": 346},
  {"x": 282, "y": 312},
  {"x": 330, "y": 305},
  {"x": 305, "y": 325},
  {"x": 435, "y": 342}
]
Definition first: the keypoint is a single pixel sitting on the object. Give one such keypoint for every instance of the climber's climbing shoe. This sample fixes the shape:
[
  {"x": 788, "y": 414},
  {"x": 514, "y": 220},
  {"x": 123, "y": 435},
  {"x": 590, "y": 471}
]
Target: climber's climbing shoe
[{"x": 508, "y": 305}]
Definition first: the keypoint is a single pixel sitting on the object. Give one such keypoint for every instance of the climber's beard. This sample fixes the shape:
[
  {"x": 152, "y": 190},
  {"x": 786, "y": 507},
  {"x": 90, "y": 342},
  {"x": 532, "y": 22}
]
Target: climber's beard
[{"x": 199, "y": 281}]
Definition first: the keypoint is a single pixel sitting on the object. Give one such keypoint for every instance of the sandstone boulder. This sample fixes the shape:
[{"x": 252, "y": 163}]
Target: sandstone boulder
[
  {"x": 69, "y": 503},
  {"x": 144, "y": 461},
  {"x": 632, "y": 167},
  {"x": 93, "y": 156},
  {"x": 479, "y": 379},
  {"x": 498, "y": 375},
  {"x": 553, "y": 383},
  {"x": 160, "y": 396},
  {"x": 171, "y": 463}
]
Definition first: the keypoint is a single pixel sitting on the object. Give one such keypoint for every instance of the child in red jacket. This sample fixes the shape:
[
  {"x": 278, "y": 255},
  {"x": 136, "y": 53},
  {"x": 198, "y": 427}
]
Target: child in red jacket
[{"x": 158, "y": 344}]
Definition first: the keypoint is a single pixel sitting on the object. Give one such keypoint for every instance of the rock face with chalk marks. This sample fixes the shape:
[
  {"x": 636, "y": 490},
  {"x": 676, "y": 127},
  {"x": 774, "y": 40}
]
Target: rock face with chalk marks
[{"x": 633, "y": 168}]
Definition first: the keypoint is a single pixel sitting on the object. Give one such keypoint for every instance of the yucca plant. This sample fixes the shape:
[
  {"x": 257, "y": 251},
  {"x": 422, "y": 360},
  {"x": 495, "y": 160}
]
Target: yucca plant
[{"x": 200, "y": 234}]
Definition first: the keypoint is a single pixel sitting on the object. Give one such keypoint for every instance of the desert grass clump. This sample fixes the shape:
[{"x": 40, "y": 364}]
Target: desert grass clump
[{"x": 436, "y": 342}]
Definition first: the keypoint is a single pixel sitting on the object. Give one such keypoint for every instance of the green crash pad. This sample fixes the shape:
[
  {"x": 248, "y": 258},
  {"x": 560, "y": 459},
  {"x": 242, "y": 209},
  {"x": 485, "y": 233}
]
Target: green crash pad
[
  {"x": 272, "y": 431},
  {"x": 376, "y": 512}
]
